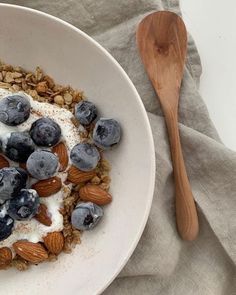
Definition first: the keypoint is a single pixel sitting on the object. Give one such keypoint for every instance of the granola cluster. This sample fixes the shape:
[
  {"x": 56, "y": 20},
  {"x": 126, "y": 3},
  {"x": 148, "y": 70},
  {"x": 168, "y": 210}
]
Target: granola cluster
[{"x": 38, "y": 85}]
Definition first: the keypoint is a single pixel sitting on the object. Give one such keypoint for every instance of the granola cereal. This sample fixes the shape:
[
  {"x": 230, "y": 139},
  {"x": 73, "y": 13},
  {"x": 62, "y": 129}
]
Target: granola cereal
[{"x": 42, "y": 88}]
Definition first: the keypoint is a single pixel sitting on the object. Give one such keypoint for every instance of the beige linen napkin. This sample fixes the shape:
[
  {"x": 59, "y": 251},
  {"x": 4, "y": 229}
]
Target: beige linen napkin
[{"x": 162, "y": 263}]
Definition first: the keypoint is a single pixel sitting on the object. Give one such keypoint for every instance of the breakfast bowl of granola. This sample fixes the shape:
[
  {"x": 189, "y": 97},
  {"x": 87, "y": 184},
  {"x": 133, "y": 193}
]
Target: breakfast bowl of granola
[{"x": 77, "y": 164}]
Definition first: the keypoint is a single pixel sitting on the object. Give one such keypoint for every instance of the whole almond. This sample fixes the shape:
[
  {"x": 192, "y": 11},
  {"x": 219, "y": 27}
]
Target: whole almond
[
  {"x": 5, "y": 257},
  {"x": 95, "y": 194},
  {"x": 54, "y": 242},
  {"x": 77, "y": 176},
  {"x": 47, "y": 187},
  {"x": 33, "y": 252},
  {"x": 43, "y": 215},
  {"x": 3, "y": 162},
  {"x": 61, "y": 151}
]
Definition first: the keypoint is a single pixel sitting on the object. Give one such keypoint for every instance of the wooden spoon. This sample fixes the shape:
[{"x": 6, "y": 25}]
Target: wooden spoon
[{"x": 162, "y": 42}]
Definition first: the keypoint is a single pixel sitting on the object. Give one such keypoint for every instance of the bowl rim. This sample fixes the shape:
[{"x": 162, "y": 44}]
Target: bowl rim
[{"x": 151, "y": 184}]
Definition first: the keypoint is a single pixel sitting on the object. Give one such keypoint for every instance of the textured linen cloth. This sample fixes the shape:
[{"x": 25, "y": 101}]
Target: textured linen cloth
[{"x": 162, "y": 263}]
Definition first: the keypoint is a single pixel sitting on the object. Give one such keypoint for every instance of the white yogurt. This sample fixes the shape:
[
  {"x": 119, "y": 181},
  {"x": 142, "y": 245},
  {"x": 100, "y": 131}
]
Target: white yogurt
[
  {"x": 40, "y": 109},
  {"x": 32, "y": 230}
]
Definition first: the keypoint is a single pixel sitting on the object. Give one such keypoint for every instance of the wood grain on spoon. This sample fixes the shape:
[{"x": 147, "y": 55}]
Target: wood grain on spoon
[{"x": 162, "y": 42}]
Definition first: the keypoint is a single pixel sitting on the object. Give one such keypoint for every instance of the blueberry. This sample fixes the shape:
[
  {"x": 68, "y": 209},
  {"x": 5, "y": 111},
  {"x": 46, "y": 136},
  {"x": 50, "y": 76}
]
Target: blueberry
[
  {"x": 85, "y": 112},
  {"x": 19, "y": 146},
  {"x": 23, "y": 173},
  {"x": 3, "y": 210},
  {"x": 12, "y": 180},
  {"x": 106, "y": 133},
  {"x": 86, "y": 216},
  {"x": 24, "y": 206},
  {"x": 42, "y": 164},
  {"x": 84, "y": 156},
  {"x": 14, "y": 109},
  {"x": 6, "y": 223},
  {"x": 45, "y": 132}
]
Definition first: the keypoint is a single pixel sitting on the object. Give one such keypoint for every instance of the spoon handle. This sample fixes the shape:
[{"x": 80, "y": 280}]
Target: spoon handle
[{"x": 186, "y": 213}]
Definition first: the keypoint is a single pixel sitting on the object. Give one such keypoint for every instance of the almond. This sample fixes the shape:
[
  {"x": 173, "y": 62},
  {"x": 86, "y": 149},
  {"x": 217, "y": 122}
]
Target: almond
[
  {"x": 22, "y": 165},
  {"x": 54, "y": 242},
  {"x": 95, "y": 194},
  {"x": 5, "y": 257},
  {"x": 33, "y": 252},
  {"x": 47, "y": 187},
  {"x": 43, "y": 215},
  {"x": 61, "y": 151},
  {"x": 3, "y": 162},
  {"x": 77, "y": 176}
]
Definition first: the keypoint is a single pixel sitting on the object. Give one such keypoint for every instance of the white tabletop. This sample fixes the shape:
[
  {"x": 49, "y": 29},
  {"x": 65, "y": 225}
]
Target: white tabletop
[{"x": 212, "y": 25}]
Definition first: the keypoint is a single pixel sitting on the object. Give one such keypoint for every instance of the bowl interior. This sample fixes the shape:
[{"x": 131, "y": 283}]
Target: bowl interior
[{"x": 30, "y": 38}]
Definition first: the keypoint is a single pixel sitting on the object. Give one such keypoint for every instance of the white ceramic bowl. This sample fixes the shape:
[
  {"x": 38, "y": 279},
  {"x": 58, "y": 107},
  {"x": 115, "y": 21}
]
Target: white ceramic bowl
[{"x": 30, "y": 38}]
